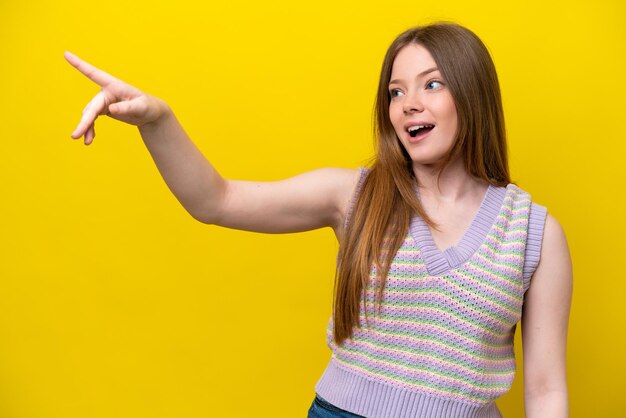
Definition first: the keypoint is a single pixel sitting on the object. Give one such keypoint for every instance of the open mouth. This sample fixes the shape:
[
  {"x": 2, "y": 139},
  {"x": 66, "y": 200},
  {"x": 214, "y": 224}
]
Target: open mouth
[{"x": 419, "y": 129}]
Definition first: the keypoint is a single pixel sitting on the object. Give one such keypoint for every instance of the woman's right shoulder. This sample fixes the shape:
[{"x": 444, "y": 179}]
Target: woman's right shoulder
[
  {"x": 338, "y": 188},
  {"x": 347, "y": 181},
  {"x": 348, "y": 184},
  {"x": 341, "y": 183},
  {"x": 343, "y": 180}
]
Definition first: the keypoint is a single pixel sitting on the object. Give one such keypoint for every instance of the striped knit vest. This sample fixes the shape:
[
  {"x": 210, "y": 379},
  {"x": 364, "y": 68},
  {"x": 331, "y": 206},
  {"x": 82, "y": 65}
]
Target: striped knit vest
[{"x": 442, "y": 343}]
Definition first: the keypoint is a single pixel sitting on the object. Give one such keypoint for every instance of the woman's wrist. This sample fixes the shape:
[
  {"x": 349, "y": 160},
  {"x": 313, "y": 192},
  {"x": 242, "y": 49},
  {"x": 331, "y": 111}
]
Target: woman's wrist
[{"x": 158, "y": 113}]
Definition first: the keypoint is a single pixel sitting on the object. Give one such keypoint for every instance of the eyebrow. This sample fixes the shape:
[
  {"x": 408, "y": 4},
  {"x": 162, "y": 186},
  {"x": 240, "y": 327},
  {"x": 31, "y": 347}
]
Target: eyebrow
[{"x": 422, "y": 74}]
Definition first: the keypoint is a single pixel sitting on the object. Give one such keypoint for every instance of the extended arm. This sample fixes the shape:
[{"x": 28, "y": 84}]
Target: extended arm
[
  {"x": 311, "y": 200},
  {"x": 544, "y": 328}
]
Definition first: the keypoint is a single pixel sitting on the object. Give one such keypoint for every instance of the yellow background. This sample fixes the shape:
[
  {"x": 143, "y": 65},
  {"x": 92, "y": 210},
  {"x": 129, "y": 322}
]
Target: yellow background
[{"x": 115, "y": 303}]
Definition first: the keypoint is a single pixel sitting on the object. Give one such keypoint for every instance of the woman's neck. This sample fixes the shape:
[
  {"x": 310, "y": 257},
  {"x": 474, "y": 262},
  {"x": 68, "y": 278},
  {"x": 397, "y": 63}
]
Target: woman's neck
[{"x": 452, "y": 185}]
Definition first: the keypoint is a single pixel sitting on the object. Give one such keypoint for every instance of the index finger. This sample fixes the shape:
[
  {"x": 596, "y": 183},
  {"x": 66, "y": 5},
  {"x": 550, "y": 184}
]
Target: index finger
[{"x": 94, "y": 74}]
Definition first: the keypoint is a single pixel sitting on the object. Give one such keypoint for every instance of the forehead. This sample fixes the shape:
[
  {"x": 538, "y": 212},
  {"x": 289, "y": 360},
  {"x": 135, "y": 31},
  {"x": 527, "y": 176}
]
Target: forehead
[{"x": 411, "y": 61}]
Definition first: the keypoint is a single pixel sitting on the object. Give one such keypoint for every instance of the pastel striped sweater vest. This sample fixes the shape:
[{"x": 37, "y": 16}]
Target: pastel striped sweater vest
[{"x": 442, "y": 343}]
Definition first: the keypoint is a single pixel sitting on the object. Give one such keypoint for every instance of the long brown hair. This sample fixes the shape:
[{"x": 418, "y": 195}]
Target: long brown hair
[{"x": 387, "y": 200}]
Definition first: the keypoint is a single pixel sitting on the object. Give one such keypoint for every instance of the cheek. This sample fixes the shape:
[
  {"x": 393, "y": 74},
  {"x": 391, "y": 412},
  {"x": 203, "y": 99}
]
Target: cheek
[
  {"x": 450, "y": 111},
  {"x": 454, "y": 122},
  {"x": 395, "y": 115}
]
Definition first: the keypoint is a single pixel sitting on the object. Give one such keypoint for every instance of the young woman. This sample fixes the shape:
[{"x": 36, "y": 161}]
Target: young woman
[{"x": 440, "y": 255}]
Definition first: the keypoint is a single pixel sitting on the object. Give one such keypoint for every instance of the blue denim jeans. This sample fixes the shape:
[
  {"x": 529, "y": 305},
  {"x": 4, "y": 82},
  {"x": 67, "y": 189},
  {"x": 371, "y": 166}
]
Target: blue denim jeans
[{"x": 323, "y": 409}]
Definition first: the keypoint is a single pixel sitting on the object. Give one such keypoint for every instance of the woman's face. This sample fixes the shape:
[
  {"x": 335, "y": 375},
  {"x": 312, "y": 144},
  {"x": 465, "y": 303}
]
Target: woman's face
[{"x": 421, "y": 109}]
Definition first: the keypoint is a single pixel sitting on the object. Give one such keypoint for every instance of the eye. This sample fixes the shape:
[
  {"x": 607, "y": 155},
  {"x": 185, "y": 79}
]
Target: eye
[
  {"x": 434, "y": 85},
  {"x": 395, "y": 93}
]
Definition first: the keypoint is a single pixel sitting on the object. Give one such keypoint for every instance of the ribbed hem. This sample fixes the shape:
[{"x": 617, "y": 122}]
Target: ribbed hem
[
  {"x": 536, "y": 224},
  {"x": 374, "y": 399}
]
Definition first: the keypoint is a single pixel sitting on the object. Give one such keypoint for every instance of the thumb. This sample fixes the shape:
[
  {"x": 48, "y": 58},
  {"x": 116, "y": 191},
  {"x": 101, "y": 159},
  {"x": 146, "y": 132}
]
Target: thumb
[
  {"x": 136, "y": 111},
  {"x": 123, "y": 108}
]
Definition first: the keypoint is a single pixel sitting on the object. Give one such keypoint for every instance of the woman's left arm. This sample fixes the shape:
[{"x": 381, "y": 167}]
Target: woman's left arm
[{"x": 544, "y": 327}]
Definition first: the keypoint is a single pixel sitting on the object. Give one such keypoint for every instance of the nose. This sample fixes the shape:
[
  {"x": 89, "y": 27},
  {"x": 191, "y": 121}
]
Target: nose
[{"x": 412, "y": 103}]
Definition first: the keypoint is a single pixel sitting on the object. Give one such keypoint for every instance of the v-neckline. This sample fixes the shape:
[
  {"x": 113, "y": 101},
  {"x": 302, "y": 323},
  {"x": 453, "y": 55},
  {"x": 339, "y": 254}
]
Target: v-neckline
[{"x": 441, "y": 261}]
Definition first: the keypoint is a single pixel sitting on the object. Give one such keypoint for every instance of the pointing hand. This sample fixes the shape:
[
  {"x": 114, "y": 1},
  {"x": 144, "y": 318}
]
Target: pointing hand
[{"x": 115, "y": 99}]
